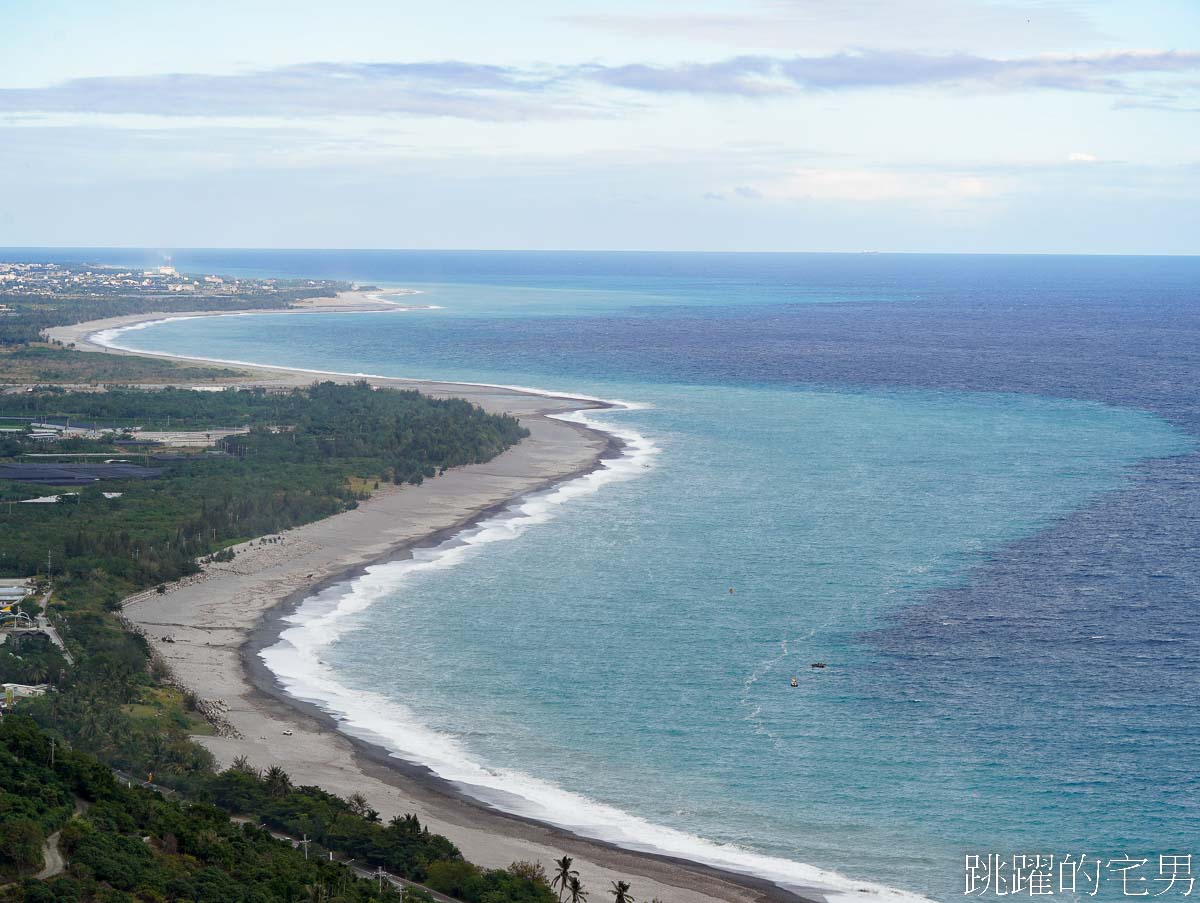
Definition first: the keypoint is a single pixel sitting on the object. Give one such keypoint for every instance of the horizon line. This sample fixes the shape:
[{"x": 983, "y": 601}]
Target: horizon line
[{"x": 648, "y": 251}]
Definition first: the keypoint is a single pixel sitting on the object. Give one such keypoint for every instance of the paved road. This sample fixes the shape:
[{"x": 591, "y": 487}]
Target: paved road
[
  {"x": 52, "y": 858},
  {"x": 44, "y": 623}
]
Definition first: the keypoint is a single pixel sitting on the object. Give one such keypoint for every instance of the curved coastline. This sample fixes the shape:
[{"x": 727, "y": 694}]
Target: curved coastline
[{"x": 704, "y": 881}]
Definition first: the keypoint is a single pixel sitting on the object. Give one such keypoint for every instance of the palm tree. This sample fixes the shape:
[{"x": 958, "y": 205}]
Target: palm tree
[
  {"x": 358, "y": 804},
  {"x": 562, "y": 877},
  {"x": 576, "y": 891},
  {"x": 277, "y": 782},
  {"x": 38, "y": 672},
  {"x": 620, "y": 891},
  {"x": 405, "y": 824}
]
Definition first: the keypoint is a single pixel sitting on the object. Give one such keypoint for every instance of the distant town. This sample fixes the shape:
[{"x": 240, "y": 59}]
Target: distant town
[
  {"x": 34, "y": 280},
  {"x": 36, "y": 296}
]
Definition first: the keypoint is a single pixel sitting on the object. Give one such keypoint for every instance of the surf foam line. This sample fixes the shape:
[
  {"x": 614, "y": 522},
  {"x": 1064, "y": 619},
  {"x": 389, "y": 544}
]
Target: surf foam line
[{"x": 295, "y": 660}]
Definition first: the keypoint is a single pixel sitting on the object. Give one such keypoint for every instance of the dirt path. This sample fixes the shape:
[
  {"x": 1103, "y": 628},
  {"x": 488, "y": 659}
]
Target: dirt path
[{"x": 52, "y": 857}]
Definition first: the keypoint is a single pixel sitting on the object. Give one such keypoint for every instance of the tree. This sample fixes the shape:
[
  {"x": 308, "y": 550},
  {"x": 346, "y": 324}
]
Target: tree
[
  {"x": 620, "y": 892},
  {"x": 530, "y": 871},
  {"x": 358, "y": 805},
  {"x": 575, "y": 891},
  {"x": 21, "y": 844},
  {"x": 563, "y": 875},
  {"x": 452, "y": 877},
  {"x": 277, "y": 782},
  {"x": 242, "y": 764}
]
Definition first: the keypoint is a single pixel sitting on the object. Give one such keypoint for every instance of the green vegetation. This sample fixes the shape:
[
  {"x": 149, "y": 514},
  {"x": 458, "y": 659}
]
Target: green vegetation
[
  {"x": 295, "y": 465},
  {"x": 128, "y": 844},
  {"x": 35, "y": 313},
  {"x": 41, "y": 363},
  {"x": 402, "y": 847},
  {"x": 37, "y": 661},
  {"x": 26, "y": 359}
]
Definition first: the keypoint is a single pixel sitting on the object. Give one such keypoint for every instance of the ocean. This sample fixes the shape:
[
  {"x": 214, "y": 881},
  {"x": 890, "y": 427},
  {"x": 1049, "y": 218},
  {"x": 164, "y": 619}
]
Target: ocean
[{"x": 968, "y": 484}]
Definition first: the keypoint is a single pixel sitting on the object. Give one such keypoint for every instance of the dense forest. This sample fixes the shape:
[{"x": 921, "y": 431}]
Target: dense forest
[
  {"x": 123, "y": 842},
  {"x": 127, "y": 843},
  {"x": 306, "y": 451}
]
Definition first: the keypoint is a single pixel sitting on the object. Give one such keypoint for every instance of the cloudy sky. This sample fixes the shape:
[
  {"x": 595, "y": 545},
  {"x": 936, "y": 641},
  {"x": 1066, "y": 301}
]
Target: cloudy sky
[{"x": 823, "y": 125}]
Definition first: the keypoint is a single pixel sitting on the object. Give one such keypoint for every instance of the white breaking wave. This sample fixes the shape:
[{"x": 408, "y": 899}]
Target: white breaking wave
[{"x": 296, "y": 662}]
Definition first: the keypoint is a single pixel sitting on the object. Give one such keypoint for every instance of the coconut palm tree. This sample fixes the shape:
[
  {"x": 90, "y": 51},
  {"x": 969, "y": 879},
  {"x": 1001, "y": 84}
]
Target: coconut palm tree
[
  {"x": 408, "y": 825},
  {"x": 620, "y": 892},
  {"x": 562, "y": 877},
  {"x": 575, "y": 891},
  {"x": 38, "y": 672},
  {"x": 358, "y": 804},
  {"x": 277, "y": 782}
]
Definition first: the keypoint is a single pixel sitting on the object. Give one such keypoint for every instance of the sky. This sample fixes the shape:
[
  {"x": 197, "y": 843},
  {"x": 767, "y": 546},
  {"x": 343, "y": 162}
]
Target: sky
[{"x": 1048, "y": 126}]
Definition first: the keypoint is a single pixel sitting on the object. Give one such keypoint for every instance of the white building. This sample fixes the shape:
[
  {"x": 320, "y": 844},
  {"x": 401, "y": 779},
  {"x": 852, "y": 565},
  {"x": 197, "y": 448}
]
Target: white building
[
  {"x": 12, "y": 692},
  {"x": 13, "y": 590}
]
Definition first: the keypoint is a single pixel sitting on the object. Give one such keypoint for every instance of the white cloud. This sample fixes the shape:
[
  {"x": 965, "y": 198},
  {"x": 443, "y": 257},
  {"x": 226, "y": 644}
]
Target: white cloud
[
  {"x": 1080, "y": 157},
  {"x": 483, "y": 92},
  {"x": 881, "y": 185}
]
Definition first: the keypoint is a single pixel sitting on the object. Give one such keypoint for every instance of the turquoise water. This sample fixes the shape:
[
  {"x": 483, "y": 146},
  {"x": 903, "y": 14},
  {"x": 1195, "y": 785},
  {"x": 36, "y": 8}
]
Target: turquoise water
[{"x": 596, "y": 670}]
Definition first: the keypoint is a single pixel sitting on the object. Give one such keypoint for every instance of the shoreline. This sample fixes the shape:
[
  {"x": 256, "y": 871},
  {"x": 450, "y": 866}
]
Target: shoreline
[{"x": 486, "y": 835}]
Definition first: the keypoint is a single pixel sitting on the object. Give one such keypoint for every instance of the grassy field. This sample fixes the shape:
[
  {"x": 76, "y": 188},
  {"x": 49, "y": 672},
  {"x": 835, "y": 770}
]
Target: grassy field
[{"x": 156, "y": 703}]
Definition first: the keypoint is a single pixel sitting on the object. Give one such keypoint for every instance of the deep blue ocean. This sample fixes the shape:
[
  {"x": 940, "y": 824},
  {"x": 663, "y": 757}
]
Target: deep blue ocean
[{"x": 968, "y": 484}]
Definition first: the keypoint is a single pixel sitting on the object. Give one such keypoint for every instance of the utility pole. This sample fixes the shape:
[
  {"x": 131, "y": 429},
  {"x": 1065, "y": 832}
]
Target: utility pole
[
  {"x": 52, "y": 752},
  {"x": 305, "y": 842}
]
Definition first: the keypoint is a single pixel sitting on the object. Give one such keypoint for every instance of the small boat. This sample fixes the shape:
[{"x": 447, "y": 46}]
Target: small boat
[
  {"x": 817, "y": 665},
  {"x": 795, "y": 683}
]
